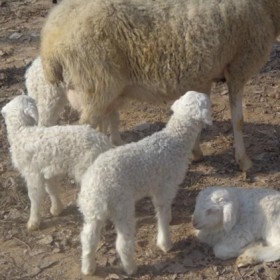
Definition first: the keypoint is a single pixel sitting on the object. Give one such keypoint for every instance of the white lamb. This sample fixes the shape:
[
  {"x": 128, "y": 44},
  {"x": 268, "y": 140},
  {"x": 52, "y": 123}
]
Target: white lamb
[
  {"x": 152, "y": 167},
  {"x": 234, "y": 220},
  {"x": 43, "y": 155},
  {"x": 51, "y": 99}
]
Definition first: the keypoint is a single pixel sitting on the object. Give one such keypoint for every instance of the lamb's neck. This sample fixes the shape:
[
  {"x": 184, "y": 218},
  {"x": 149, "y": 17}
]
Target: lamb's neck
[
  {"x": 14, "y": 129},
  {"x": 274, "y": 10},
  {"x": 185, "y": 130}
]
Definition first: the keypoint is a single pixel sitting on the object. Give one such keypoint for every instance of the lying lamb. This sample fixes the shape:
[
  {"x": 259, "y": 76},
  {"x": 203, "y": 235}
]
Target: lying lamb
[
  {"x": 51, "y": 99},
  {"x": 152, "y": 167},
  {"x": 43, "y": 155},
  {"x": 109, "y": 50},
  {"x": 234, "y": 220}
]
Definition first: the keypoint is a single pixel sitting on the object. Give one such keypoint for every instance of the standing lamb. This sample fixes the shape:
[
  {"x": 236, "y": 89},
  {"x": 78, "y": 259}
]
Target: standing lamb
[
  {"x": 152, "y": 167},
  {"x": 233, "y": 221},
  {"x": 157, "y": 50},
  {"x": 44, "y": 155},
  {"x": 51, "y": 99}
]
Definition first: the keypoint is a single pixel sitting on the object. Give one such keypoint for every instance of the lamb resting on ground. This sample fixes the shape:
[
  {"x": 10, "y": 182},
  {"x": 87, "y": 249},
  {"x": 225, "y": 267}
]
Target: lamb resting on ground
[
  {"x": 152, "y": 167},
  {"x": 235, "y": 220},
  {"x": 44, "y": 155},
  {"x": 110, "y": 50}
]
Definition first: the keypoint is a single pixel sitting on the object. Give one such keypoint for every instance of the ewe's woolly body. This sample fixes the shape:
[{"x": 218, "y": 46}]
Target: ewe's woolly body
[
  {"x": 153, "y": 167},
  {"x": 255, "y": 216},
  {"x": 110, "y": 50}
]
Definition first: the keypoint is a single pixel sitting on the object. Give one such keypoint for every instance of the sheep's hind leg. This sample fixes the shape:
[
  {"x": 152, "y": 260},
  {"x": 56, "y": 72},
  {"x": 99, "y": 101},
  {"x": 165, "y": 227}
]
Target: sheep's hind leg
[
  {"x": 235, "y": 95},
  {"x": 90, "y": 236},
  {"x": 114, "y": 120},
  {"x": 53, "y": 191},
  {"x": 125, "y": 227},
  {"x": 35, "y": 186}
]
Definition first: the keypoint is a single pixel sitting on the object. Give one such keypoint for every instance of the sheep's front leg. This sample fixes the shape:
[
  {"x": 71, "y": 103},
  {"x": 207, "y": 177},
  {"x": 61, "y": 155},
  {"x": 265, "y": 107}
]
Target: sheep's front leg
[
  {"x": 235, "y": 95},
  {"x": 53, "y": 191},
  {"x": 114, "y": 120},
  {"x": 125, "y": 227},
  {"x": 90, "y": 236},
  {"x": 233, "y": 245},
  {"x": 35, "y": 187},
  {"x": 164, "y": 216}
]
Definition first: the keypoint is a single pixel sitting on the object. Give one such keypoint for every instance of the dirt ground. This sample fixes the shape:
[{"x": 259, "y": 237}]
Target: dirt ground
[{"x": 54, "y": 251}]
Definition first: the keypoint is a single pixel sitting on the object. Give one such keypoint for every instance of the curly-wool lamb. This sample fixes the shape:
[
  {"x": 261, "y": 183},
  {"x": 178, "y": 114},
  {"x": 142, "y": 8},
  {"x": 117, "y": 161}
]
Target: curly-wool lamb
[
  {"x": 45, "y": 154},
  {"x": 152, "y": 167},
  {"x": 51, "y": 99},
  {"x": 234, "y": 220},
  {"x": 109, "y": 50}
]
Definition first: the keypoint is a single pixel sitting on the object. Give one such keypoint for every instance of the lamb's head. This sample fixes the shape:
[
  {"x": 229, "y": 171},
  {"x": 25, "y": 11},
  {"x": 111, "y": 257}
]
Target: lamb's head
[
  {"x": 215, "y": 209},
  {"x": 21, "y": 109},
  {"x": 194, "y": 104}
]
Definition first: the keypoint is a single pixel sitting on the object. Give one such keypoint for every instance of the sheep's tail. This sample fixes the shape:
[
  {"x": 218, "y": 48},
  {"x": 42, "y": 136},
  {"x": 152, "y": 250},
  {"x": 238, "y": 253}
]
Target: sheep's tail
[
  {"x": 53, "y": 70},
  {"x": 259, "y": 253}
]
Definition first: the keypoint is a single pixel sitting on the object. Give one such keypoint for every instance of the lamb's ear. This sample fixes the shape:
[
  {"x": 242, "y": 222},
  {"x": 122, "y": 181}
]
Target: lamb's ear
[
  {"x": 229, "y": 216},
  {"x": 31, "y": 115},
  {"x": 206, "y": 116}
]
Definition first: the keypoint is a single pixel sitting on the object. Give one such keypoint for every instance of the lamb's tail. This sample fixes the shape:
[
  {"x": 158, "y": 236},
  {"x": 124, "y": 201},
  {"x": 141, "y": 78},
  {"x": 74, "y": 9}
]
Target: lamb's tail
[{"x": 258, "y": 253}]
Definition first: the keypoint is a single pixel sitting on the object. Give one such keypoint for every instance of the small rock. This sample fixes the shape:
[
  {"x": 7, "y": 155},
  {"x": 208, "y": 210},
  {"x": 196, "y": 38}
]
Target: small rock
[
  {"x": 14, "y": 214},
  {"x": 36, "y": 252},
  {"x": 15, "y": 36},
  {"x": 46, "y": 240},
  {"x": 112, "y": 276},
  {"x": 142, "y": 127},
  {"x": 3, "y": 3}
]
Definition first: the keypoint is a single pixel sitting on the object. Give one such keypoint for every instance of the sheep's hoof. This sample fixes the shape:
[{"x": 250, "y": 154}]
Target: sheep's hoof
[
  {"x": 197, "y": 155},
  {"x": 245, "y": 163},
  {"x": 117, "y": 141},
  {"x": 31, "y": 225},
  {"x": 166, "y": 246},
  {"x": 243, "y": 261}
]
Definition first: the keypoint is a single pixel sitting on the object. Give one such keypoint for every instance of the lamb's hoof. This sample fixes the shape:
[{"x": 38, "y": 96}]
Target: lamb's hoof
[
  {"x": 56, "y": 211},
  {"x": 165, "y": 246},
  {"x": 131, "y": 269},
  {"x": 243, "y": 261},
  {"x": 88, "y": 269},
  {"x": 33, "y": 225},
  {"x": 245, "y": 163}
]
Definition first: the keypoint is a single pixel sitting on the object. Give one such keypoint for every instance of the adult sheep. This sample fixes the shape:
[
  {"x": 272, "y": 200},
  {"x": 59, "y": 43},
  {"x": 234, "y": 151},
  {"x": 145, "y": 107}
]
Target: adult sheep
[{"x": 110, "y": 50}]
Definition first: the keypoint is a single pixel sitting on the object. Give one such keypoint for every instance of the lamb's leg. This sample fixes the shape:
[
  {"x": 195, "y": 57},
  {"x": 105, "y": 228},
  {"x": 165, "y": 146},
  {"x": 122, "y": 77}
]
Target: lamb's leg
[
  {"x": 35, "y": 187},
  {"x": 235, "y": 95},
  {"x": 53, "y": 191},
  {"x": 164, "y": 216},
  {"x": 90, "y": 236},
  {"x": 233, "y": 245},
  {"x": 125, "y": 227}
]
